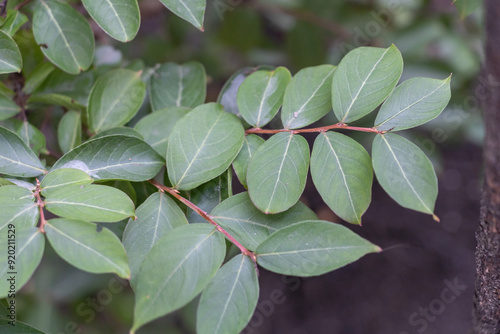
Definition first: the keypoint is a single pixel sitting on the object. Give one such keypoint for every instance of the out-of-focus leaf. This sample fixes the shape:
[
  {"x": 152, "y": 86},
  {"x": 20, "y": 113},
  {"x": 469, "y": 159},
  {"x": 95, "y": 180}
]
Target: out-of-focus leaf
[
  {"x": 8, "y": 108},
  {"x": 37, "y": 77},
  {"x": 10, "y": 56},
  {"x": 14, "y": 20},
  {"x": 69, "y": 131},
  {"x": 57, "y": 99},
  {"x": 240, "y": 163}
]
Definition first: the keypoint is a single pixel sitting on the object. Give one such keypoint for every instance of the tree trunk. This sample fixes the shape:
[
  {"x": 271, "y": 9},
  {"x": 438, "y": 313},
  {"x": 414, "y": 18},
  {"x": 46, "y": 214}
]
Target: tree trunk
[{"x": 487, "y": 293}]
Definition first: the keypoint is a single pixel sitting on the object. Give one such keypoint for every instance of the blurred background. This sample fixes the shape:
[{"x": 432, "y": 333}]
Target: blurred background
[{"x": 423, "y": 281}]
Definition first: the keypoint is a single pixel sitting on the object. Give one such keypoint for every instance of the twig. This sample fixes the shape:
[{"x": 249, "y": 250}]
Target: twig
[
  {"x": 320, "y": 129},
  {"x": 41, "y": 204},
  {"x": 207, "y": 217},
  {"x": 22, "y": 4}
]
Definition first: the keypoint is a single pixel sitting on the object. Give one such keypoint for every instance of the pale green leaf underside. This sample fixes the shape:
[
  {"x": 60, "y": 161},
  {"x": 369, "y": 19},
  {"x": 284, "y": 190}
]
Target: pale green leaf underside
[
  {"x": 95, "y": 203},
  {"x": 81, "y": 245},
  {"x": 278, "y": 171},
  {"x": 202, "y": 145},
  {"x": 118, "y": 18},
  {"x": 63, "y": 177},
  {"x": 240, "y": 164},
  {"x": 239, "y": 216},
  {"x": 192, "y": 11},
  {"x": 342, "y": 172},
  {"x": 16, "y": 158},
  {"x": 18, "y": 207},
  {"x": 228, "y": 302},
  {"x": 166, "y": 283},
  {"x": 363, "y": 79},
  {"x": 413, "y": 103},
  {"x": 114, "y": 157},
  {"x": 64, "y": 35},
  {"x": 10, "y": 56},
  {"x": 405, "y": 172},
  {"x": 29, "y": 248},
  {"x": 158, "y": 215},
  {"x": 312, "y": 248}
]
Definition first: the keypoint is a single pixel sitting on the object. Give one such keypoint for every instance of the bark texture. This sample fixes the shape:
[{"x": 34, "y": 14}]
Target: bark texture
[{"x": 487, "y": 290}]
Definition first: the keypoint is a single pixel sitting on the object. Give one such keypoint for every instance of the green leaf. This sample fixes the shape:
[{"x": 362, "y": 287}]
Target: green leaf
[
  {"x": 157, "y": 216},
  {"x": 363, "y": 80},
  {"x": 13, "y": 22},
  {"x": 69, "y": 131},
  {"x": 209, "y": 195},
  {"x": 251, "y": 227},
  {"x": 8, "y": 108},
  {"x": 16, "y": 158},
  {"x": 122, "y": 130},
  {"x": 192, "y": 11},
  {"x": 228, "y": 302},
  {"x": 55, "y": 99},
  {"x": 81, "y": 245},
  {"x": 38, "y": 77},
  {"x": 33, "y": 137},
  {"x": 64, "y": 36},
  {"x": 166, "y": 283},
  {"x": 10, "y": 56},
  {"x": 174, "y": 85},
  {"x": 19, "y": 328},
  {"x": 261, "y": 94},
  {"x": 90, "y": 203},
  {"x": 342, "y": 172},
  {"x": 467, "y": 7},
  {"x": 240, "y": 164},
  {"x": 312, "y": 248},
  {"x": 18, "y": 207},
  {"x": 5, "y": 182},
  {"x": 278, "y": 171},
  {"x": 23, "y": 250},
  {"x": 156, "y": 127},
  {"x": 115, "y": 98},
  {"x": 202, "y": 145},
  {"x": 120, "y": 19},
  {"x": 76, "y": 87},
  {"x": 308, "y": 96},
  {"x": 414, "y": 102},
  {"x": 63, "y": 177},
  {"x": 405, "y": 172},
  {"x": 114, "y": 157}
]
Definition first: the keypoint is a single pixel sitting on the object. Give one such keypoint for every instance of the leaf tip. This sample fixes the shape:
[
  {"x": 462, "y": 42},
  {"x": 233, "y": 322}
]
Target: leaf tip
[{"x": 436, "y": 218}]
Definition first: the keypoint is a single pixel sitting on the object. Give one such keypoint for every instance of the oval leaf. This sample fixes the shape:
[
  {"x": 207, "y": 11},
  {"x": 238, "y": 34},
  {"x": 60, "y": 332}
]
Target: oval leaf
[
  {"x": 174, "y": 85},
  {"x": 90, "y": 203},
  {"x": 8, "y": 108},
  {"x": 155, "y": 218},
  {"x": 308, "y": 97},
  {"x": 363, "y": 80},
  {"x": 228, "y": 302},
  {"x": 261, "y": 94},
  {"x": 57, "y": 99},
  {"x": 10, "y": 56},
  {"x": 81, "y": 245},
  {"x": 64, "y": 36},
  {"x": 16, "y": 158},
  {"x": 240, "y": 163},
  {"x": 166, "y": 283},
  {"x": 156, "y": 127},
  {"x": 312, "y": 248},
  {"x": 18, "y": 207},
  {"x": 278, "y": 171},
  {"x": 251, "y": 227},
  {"x": 414, "y": 102},
  {"x": 13, "y": 22},
  {"x": 405, "y": 172},
  {"x": 69, "y": 131},
  {"x": 121, "y": 130},
  {"x": 192, "y": 11},
  {"x": 114, "y": 157},
  {"x": 115, "y": 99},
  {"x": 202, "y": 145},
  {"x": 120, "y": 19},
  {"x": 342, "y": 172},
  {"x": 23, "y": 251},
  {"x": 63, "y": 177}
]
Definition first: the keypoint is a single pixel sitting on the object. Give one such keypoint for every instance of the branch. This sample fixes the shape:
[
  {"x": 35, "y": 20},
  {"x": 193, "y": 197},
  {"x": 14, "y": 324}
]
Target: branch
[
  {"x": 320, "y": 129},
  {"x": 40, "y": 205},
  {"x": 22, "y": 4},
  {"x": 207, "y": 217}
]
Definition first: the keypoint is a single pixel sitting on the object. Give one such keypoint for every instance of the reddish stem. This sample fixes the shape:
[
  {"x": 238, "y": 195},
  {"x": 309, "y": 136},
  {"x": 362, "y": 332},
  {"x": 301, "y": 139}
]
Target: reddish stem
[
  {"x": 205, "y": 216},
  {"x": 41, "y": 205},
  {"x": 320, "y": 129}
]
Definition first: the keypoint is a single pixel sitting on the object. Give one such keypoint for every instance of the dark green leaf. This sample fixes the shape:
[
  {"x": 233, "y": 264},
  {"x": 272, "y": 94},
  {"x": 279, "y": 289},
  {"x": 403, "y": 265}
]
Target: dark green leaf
[
  {"x": 81, "y": 245},
  {"x": 14, "y": 20},
  {"x": 8, "y": 108},
  {"x": 77, "y": 87},
  {"x": 228, "y": 302},
  {"x": 19, "y": 328},
  {"x": 33, "y": 137},
  {"x": 342, "y": 172},
  {"x": 115, "y": 157},
  {"x": 202, "y": 145},
  {"x": 55, "y": 99},
  {"x": 122, "y": 130},
  {"x": 405, "y": 172},
  {"x": 240, "y": 163},
  {"x": 37, "y": 77},
  {"x": 90, "y": 203},
  {"x": 308, "y": 96},
  {"x": 18, "y": 207},
  {"x": 312, "y": 248},
  {"x": 166, "y": 283},
  {"x": 64, "y": 35},
  {"x": 63, "y": 177},
  {"x": 69, "y": 131},
  {"x": 278, "y": 171},
  {"x": 363, "y": 80},
  {"x": 251, "y": 227},
  {"x": 192, "y": 11},
  {"x": 10, "y": 56}
]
